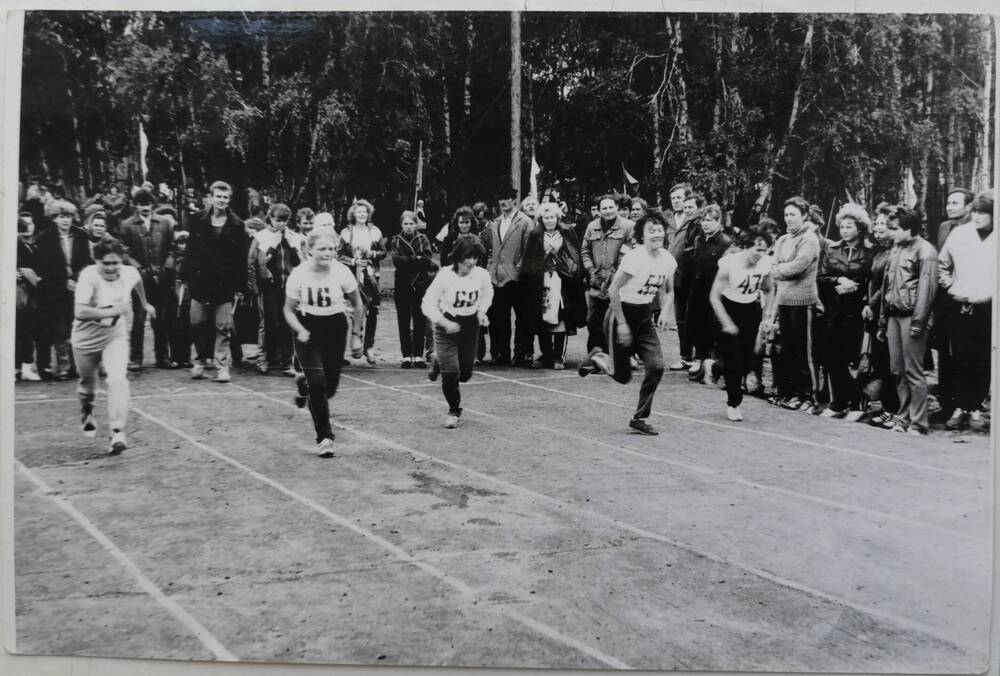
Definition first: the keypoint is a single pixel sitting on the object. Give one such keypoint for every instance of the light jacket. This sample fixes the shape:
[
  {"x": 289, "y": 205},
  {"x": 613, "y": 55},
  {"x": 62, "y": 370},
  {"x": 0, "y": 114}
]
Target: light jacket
[
  {"x": 505, "y": 255},
  {"x": 910, "y": 283},
  {"x": 601, "y": 251}
]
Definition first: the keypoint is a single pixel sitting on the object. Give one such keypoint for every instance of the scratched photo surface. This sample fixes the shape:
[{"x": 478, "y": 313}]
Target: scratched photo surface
[{"x": 802, "y": 204}]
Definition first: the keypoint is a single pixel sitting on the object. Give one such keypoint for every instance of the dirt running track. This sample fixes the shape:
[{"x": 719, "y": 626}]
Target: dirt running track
[{"x": 538, "y": 534}]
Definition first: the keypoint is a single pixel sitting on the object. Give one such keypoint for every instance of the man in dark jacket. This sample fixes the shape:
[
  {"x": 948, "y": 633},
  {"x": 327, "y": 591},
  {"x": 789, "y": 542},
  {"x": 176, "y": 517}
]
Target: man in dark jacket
[
  {"x": 215, "y": 274},
  {"x": 149, "y": 239},
  {"x": 63, "y": 251}
]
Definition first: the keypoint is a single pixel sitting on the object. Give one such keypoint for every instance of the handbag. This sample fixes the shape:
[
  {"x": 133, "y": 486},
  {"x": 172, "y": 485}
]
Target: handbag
[{"x": 864, "y": 369}]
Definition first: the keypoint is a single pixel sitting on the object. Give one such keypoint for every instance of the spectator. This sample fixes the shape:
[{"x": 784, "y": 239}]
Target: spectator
[
  {"x": 504, "y": 241},
  {"x": 968, "y": 275},
  {"x": 215, "y": 275},
  {"x": 177, "y": 303},
  {"x": 904, "y": 322},
  {"x": 843, "y": 287},
  {"x": 362, "y": 246},
  {"x": 274, "y": 252},
  {"x": 600, "y": 252},
  {"x": 304, "y": 221},
  {"x": 702, "y": 264},
  {"x": 26, "y": 327},
  {"x": 881, "y": 388},
  {"x": 149, "y": 239},
  {"x": 637, "y": 209},
  {"x": 552, "y": 272},
  {"x": 796, "y": 259},
  {"x": 680, "y": 246},
  {"x": 62, "y": 253},
  {"x": 529, "y": 207},
  {"x": 411, "y": 256}
]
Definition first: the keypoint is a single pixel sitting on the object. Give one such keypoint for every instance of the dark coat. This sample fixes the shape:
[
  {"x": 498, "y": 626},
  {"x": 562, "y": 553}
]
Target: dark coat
[
  {"x": 854, "y": 263},
  {"x": 50, "y": 261},
  {"x": 412, "y": 259},
  {"x": 568, "y": 264},
  {"x": 216, "y": 269},
  {"x": 148, "y": 253}
]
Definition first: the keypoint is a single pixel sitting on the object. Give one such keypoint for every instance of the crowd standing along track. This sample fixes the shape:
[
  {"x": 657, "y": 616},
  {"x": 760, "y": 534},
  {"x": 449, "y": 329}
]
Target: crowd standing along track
[{"x": 538, "y": 534}]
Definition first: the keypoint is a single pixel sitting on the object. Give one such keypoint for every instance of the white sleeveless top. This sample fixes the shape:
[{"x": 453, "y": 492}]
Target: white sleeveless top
[{"x": 744, "y": 283}]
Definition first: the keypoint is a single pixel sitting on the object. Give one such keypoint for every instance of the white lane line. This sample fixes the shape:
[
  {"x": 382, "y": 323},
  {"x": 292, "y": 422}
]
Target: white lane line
[
  {"x": 211, "y": 643},
  {"x": 456, "y": 584},
  {"x": 725, "y": 476},
  {"x": 750, "y": 430},
  {"x": 905, "y": 622}
]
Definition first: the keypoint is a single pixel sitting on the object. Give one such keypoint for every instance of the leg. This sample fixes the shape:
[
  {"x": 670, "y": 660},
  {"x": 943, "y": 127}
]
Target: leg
[
  {"x": 223, "y": 334},
  {"x": 371, "y": 323},
  {"x": 332, "y": 351},
  {"x": 680, "y": 316},
  {"x": 619, "y": 355},
  {"x": 467, "y": 350},
  {"x": 915, "y": 348},
  {"x": 86, "y": 387},
  {"x": 403, "y": 317},
  {"x": 559, "y": 346},
  {"x": 500, "y": 324},
  {"x": 525, "y": 305},
  {"x": 311, "y": 359},
  {"x": 897, "y": 358},
  {"x": 446, "y": 353},
  {"x": 730, "y": 349},
  {"x": 546, "y": 347},
  {"x": 200, "y": 327},
  {"x": 597, "y": 307},
  {"x": 418, "y": 322},
  {"x": 647, "y": 345},
  {"x": 159, "y": 323},
  {"x": 138, "y": 331},
  {"x": 115, "y": 357}
]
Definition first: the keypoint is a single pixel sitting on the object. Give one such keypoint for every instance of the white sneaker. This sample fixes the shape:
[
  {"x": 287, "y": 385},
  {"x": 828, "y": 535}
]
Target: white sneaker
[
  {"x": 603, "y": 363},
  {"x": 369, "y": 357},
  {"x": 118, "y": 443},
  {"x": 679, "y": 365},
  {"x": 853, "y": 416},
  {"x": 198, "y": 371},
  {"x": 734, "y": 413},
  {"x": 223, "y": 375},
  {"x": 451, "y": 421},
  {"x": 695, "y": 367},
  {"x": 324, "y": 449},
  {"x": 28, "y": 372}
]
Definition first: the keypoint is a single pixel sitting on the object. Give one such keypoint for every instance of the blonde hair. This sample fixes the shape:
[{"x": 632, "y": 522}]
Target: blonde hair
[
  {"x": 856, "y": 213},
  {"x": 323, "y": 218},
  {"x": 56, "y": 207},
  {"x": 360, "y": 203},
  {"x": 320, "y": 232},
  {"x": 548, "y": 208}
]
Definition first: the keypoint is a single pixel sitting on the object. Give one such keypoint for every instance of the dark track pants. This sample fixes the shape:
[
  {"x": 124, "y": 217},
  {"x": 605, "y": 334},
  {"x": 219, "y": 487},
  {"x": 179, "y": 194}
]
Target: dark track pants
[{"x": 321, "y": 359}]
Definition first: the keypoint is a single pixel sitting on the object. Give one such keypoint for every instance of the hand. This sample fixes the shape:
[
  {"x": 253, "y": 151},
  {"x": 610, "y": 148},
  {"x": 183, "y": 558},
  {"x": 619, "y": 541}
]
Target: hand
[
  {"x": 880, "y": 336},
  {"x": 663, "y": 323},
  {"x": 867, "y": 314},
  {"x": 150, "y": 310},
  {"x": 916, "y": 331},
  {"x": 238, "y": 296},
  {"x": 20, "y": 275},
  {"x": 448, "y": 326},
  {"x": 70, "y": 285},
  {"x": 484, "y": 321},
  {"x": 730, "y": 328},
  {"x": 302, "y": 335},
  {"x": 624, "y": 334}
]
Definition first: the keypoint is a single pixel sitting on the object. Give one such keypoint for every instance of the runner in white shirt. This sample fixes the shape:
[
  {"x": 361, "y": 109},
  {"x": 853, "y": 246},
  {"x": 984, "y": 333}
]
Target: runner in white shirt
[
  {"x": 102, "y": 302},
  {"x": 315, "y": 309},
  {"x": 743, "y": 280},
  {"x": 456, "y": 303},
  {"x": 644, "y": 272}
]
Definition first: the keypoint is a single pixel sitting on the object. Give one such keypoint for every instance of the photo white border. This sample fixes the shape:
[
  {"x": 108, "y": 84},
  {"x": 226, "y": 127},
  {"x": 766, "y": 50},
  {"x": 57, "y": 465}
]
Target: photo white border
[{"x": 11, "y": 38}]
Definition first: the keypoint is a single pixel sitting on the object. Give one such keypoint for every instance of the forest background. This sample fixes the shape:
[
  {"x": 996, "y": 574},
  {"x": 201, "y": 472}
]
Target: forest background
[{"x": 317, "y": 108}]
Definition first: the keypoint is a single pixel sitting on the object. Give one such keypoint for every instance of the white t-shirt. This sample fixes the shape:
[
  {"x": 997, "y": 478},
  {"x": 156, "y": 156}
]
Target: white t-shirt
[
  {"x": 361, "y": 238},
  {"x": 458, "y": 296},
  {"x": 92, "y": 335},
  {"x": 321, "y": 293},
  {"x": 268, "y": 239},
  {"x": 648, "y": 274},
  {"x": 745, "y": 283}
]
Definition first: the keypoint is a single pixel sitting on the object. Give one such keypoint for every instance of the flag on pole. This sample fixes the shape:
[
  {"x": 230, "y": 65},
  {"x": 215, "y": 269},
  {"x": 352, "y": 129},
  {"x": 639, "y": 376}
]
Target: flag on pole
[
  {"x": 535, "y": 170},
  {"x": 143, "y": 147},
  {"x": 420, "y": 175},
  {"x": 629, "y": 178},
  {"x": 911, "y": 193}
]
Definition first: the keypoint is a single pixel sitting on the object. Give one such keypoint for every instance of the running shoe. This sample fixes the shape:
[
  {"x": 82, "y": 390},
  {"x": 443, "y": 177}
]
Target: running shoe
[
  {"x": 959, "y": 419},
  {"x": 734, "y": 413},
  {"x": 896, "y": 424},
  {"x": 587, "y": 366},
  {"x": 680, "y": 365},
  {"x": 324, "y": 449},
  {"x": 792, "y": 403},
  {"x": 262, "y": 368},
  {"x": 916, "y": 431},
  {"x": 89, "y": 426},
  {"x": 833, "y": 413},
  {"x": 369, "y": 356},
  {"x": 407, "y": 363},
  {"x": 451, "y": 421},
  {"x": 694, "y": 368},
  {"x": 303, "y": 396},
  {"x": 28, "y": 372},
  {"x": 976, "y": 421},
  {"x": 197, "y": 371},
  {"x": 642, "y": 427},
  {"x": 118, "y": 443},
  {"x": 419, "y": 363},
  {"x": 223, "y": 375},
  {"x": 559, "y": 365},
  {"x": 880, "y": 419},
  {"x": 853, "y": 416}
]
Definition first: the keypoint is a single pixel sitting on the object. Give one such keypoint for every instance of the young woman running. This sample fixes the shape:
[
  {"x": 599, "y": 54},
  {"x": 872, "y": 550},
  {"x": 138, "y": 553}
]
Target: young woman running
[
  {"x": 736, "y": 299},
  {"x": 644, "y": 272},
  {"x": 315, "y": 311},
  {"x": 102, "y": 301},
  {"x": 456, "y": 303}
]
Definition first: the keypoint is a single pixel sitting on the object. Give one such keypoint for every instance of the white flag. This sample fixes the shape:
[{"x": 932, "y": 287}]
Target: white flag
[
  {"x": 535, "y": 170},
  {"x": 143, "y": 147},
  {"x": 911, "y": 193}
]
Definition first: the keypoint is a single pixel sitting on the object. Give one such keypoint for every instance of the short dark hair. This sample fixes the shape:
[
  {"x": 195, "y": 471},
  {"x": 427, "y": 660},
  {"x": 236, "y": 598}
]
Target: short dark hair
[
  {"x": 143, "y": 198},
  {"x": 305, "y": 212},
  {"x": 460, "y": 212},
  {"x": 686, "y": 187},
  {"x": 983, "y": 203},
  {"x": 885, "y": 209},
  {"x": 467, "y": 246},
  {"x": 908, "y": 219},
  {"x": 640, "y": 226},
  {"x": 220, "y": 185},
  {"x": 505, "y": 193},
  {"x": 108, "y": 245},
  {"x": 768, "y": 224},
  {"x": 748, "y": 237},
  {"x": 698, "y": 198},
  {"x": 799, "y": 203},
  {"x": 966, "y": 193}
]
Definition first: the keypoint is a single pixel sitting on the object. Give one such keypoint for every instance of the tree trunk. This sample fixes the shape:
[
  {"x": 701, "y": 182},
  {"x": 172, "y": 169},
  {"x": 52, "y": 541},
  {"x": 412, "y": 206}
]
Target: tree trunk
[
  {"x": 657, "y": 109},
  {"x": 265, "y": 62},
  {"x": 76, "y": 143},
  {"x": 445, "y": 114},
  {"x": 470, "y": 37},
  {"x": 766, "y": 185},
  {"x": 925, "y": 153},
  {"x": 683, "y": 120},
  {"x": 515, "y": 101},
  {"x": 984, "y": 179},
  {"x": 949, "y": 154}
]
